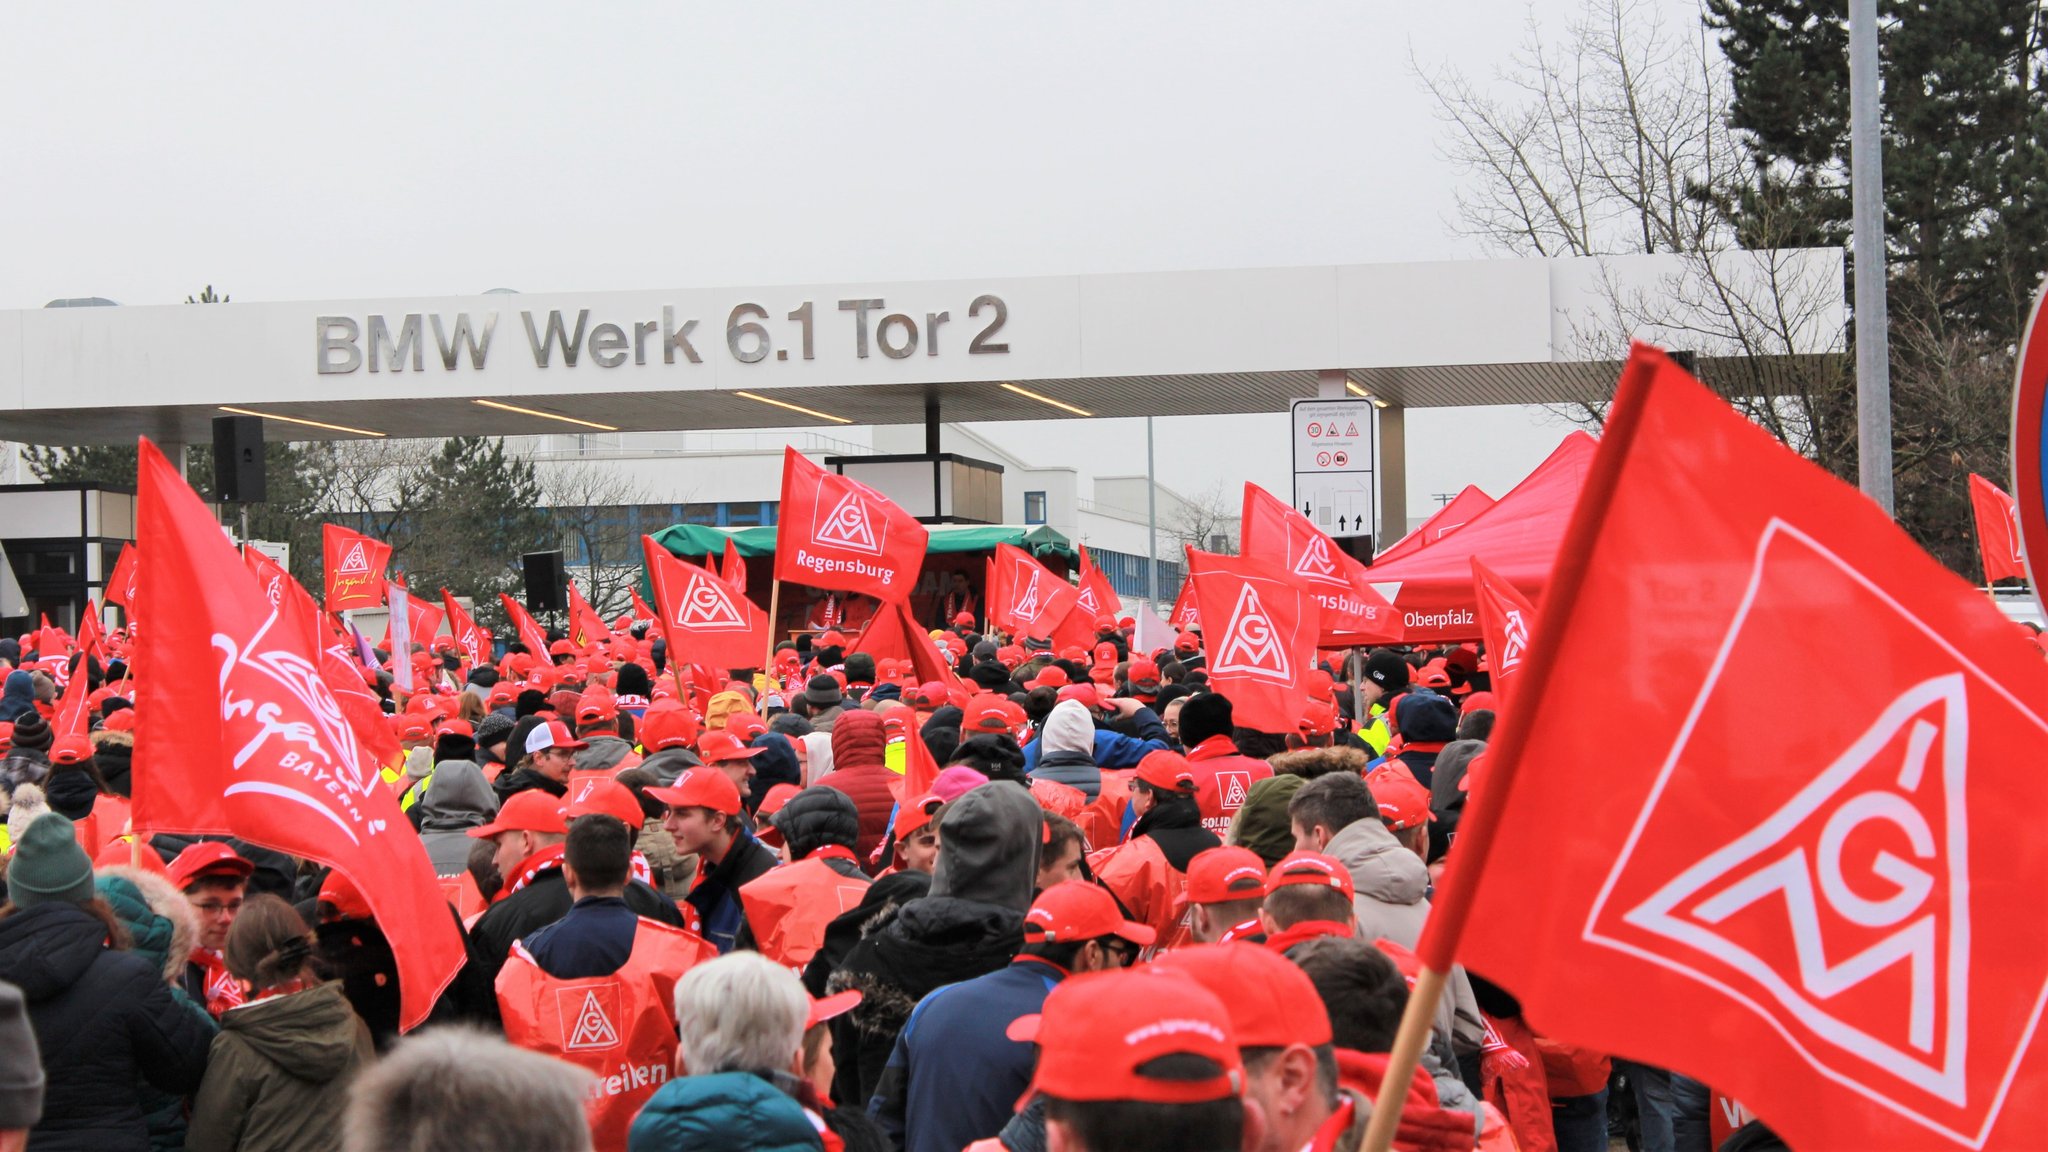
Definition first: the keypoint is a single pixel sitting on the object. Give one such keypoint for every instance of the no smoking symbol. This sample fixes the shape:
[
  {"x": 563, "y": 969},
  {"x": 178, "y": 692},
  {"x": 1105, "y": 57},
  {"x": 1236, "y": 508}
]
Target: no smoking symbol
[{"x": 1322, "y": 459}]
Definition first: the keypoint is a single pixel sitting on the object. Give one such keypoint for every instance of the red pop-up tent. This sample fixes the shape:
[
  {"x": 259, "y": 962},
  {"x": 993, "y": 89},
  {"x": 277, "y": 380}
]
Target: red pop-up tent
[
  {"x": 1517, "y": 537},
  {"x": 1462, "y": 509}
]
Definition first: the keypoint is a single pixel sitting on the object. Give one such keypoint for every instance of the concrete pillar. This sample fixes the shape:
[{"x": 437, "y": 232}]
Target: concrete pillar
[
  {"x": 174, "y": 450},
  {"x": 1392, "y": 467},
  {"x": 1330, "y": 384}
]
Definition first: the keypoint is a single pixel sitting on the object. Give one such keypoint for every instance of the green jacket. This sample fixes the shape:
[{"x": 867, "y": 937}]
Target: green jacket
[
  {"x": 156, "y": 917},
  {"x": 277, "y": 1078}
]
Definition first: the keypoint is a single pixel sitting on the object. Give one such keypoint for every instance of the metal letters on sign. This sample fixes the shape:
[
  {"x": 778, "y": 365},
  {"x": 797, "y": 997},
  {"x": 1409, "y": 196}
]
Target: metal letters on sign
[
  {"x": 1333, "y": 464},
  {"x": 2030, "y": 440},
  {"x": 418, "y": 343}
]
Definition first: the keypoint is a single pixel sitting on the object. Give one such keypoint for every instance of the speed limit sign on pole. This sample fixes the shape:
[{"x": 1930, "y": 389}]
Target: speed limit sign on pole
[{"x": 2030, "y": 442}]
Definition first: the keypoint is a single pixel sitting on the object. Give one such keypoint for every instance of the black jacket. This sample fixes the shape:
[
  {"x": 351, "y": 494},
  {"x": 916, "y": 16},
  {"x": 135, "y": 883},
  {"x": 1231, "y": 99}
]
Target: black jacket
[
  {"x": 716, "y": 896},
  {"x": 876, "y": 908},
  {"x": 542, "y": 902},
  {"x": 1175, "y": 824},
  {"x": 104, "y": 1021},
  {"x": 519, "y": 780}
]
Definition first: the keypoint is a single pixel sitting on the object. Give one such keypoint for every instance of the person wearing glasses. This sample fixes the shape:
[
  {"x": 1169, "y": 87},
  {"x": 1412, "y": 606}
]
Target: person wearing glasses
[
  {"x": 215, "y": 880},
  {"x": 954, "y": 1076}
]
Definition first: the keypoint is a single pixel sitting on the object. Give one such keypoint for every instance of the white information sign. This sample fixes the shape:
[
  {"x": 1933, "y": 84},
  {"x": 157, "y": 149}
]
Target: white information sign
[{"x": 1333, "y": 465}]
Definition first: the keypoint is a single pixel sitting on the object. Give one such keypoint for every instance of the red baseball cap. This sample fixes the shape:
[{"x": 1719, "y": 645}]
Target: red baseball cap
[
  {"x": 1075, "y": 910},
  {"x": 1220, "y": 875},
  {"x": 1319, "y": 719},
  {"x": 745, "y": 725},
  {"x": 718, "y": 746},
  {"x": 1187, "y": 642},
  {"x": 963, "y": 619},
  {"x": 824, "y": 1008},
  {"x": 1272, "y": 1002},
  {"x": 501, "y": 693},
  {"x": 447, "y": 725},
  {"x": 533, "y": 810},
  {"x": 930, "y": 694},
  {"x": 1010, "y": 655},
  {"x": 1090, "y": 695},
  {"x": 607, "y": 797},
  {"x": 597, "y": 705},
  {"x": 917, "y": 813},
  {"x": 1105, "y": 652},
  {"x": 1168, "y": 770},
  {"x": 348, "y": 900},
  {"x": 667, "y": 725},
  {"x": 1098, "y": 1030},
  {"x": 553, "y": 734},
  {"x": 208, "y": 858},
  {"x": 70, "y": 749},
  {"x": 1310, "y": 868},
  {"x": 1403, "y": 801},
  {"x": 701, "y": 788},
  {"x": 1050, "y": 676},
  {"x": 832, "y": 638},
  {"x": 561, "y": 648},
  {"x": 1143, "y": 673},
  {"x": 986, "y": 713},
  {"x": 119, "y": 720},
  {"x": 411, "y": 726}
]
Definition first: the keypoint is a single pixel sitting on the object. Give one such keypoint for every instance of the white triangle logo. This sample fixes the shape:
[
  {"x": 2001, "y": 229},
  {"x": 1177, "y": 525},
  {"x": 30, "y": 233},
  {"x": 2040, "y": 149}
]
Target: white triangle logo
[
  {"x": 1316, "y": 562},
  {"x": 354, "y": 562},
  {"x": 593, "y": 1028},
  {"x": 850, "y": 525},
  {"x": 1027, "y": 604},
  {"x": 1909, "y": 764},
  {"x": 1087, "y": 601},
  {"x": 1514, "y": 639},
  {"x": 707, "y": 607},
  {"x": 1250, "y": 644},
  {"x": 1234, "y": 789}
]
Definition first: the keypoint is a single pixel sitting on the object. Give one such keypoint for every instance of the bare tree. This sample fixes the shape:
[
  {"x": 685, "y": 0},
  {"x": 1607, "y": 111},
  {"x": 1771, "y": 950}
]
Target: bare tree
[
  {"x": 1199, "y": 518},
  {"x": 589, "y": 501}
]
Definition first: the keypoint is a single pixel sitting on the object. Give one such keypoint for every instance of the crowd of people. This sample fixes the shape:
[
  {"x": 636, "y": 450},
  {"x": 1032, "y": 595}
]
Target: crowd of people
[{"x": 706, "y": 911}]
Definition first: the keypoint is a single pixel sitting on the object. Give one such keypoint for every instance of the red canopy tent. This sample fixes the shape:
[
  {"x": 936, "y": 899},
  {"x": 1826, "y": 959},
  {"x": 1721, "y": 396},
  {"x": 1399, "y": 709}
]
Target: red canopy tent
[
  {"x": 1462, "y": 509},
  {"x": 1517, "y": 537}
]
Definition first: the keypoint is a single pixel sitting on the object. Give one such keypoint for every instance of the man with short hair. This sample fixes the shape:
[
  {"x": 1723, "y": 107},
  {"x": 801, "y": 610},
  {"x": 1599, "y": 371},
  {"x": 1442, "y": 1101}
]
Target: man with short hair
[
  {"x": 953, "y": 1076},
  {"x": 215, "y": 880},
  {"x": 550, "y": 755},
  {"x": 616, "y": 973},
  {"x": 597, "y": 724},
  {"x": 1226, "y": 889},
  {"x": 704, "y": 818},
  {"x": 1336, "y": 814},
  {"x": 729, "y": 753},
  {"x": 1307, "y": 895}
]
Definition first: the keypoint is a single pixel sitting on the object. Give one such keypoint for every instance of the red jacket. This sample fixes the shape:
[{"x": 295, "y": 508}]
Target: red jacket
[
  {"x": 860, "y": 769},
  {"x": 1222, "y": 777},
  {"x": 789, "y": 907},
  {"x": 1137, "y": 873}
]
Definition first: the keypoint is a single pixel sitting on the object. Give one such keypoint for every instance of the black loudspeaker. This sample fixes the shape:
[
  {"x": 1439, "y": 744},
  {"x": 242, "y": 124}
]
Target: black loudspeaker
[
  {"x": 238, "y": 459},
  {"x": 547, "y": 583}
]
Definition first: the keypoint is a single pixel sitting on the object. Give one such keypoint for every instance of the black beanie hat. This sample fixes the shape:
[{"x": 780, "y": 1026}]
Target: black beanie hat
[
  {"x": 632, "y": 680},
  {"x": 989, "y": 674},
  {"x": 1203, "y": 716},
  {"x": 32, "y": 732},
  {"x": 1386, "y": 669}
]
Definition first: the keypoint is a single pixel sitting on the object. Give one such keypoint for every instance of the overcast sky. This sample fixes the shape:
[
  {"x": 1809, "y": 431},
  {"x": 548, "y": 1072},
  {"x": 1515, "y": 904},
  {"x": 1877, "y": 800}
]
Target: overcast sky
[{"x": 288, "y": 152}]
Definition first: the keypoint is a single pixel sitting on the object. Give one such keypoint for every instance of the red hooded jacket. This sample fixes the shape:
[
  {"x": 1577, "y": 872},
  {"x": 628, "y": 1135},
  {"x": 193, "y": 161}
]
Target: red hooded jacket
[{"x": 860, "y": 769}]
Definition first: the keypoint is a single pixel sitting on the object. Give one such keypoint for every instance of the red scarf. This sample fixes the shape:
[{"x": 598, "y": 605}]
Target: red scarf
[
  {"x": 833, "y": 852},
  {"x": 1251, "y": 927},
  {"x": 222, "y": 990},
  {"x": 1287, "y": 938},
  {"x": 533, "y": 866}
]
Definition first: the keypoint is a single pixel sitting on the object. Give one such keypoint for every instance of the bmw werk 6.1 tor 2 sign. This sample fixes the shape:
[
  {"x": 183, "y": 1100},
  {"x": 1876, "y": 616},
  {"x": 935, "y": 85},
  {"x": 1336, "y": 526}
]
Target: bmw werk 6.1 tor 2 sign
[{"x": 2030, "y": 443}]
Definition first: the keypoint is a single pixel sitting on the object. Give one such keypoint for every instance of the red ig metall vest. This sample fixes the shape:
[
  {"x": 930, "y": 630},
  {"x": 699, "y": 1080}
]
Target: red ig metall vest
[
  {"x": 620, "y": 1027},
  {"x": 1137, "y": 873},
  {"x": 789, "y": 907}
]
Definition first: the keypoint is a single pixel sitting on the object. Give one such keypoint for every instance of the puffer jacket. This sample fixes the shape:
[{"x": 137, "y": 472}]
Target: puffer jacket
[
  {"x": 160, "y": 923},
  {"x": 1067, "y": 749},
  {"x": 816, "y": 817},
  {"x": 104, "y": 1021},
  {"x": 280, "y": 1073},
  {"x": 860, "y": 769},
  {"x": 723, "y": 1112}
]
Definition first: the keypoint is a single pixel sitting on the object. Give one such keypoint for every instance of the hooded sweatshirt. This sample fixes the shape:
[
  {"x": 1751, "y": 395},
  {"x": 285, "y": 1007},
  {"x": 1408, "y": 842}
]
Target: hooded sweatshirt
[
  {"x": 278, "y": 1076},
  {"x": 17, "y": 696},
  {"x": 459, "y": 799},
  {"x": 1066, "y": 749},
  {"x": 971, "y": 923}
]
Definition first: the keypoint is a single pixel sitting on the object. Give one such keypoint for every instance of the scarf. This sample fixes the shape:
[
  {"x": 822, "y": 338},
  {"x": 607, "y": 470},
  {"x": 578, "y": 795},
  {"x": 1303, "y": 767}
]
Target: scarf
[{"x": 530, "y": 868}]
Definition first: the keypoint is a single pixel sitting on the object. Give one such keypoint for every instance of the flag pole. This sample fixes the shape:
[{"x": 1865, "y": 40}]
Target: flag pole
[
  {"x": 1451, "y": 906},
  {"x": 774, "y": 607}
]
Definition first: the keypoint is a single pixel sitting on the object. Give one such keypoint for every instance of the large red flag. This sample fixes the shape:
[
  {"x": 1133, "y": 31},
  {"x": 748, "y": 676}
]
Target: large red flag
[
  {"x": 525, "y": 626},
  {"x": 338, "y": 667},
  {"x": 74, "y": 706},
  {"x": 734, "y": 567},
  {"x": 1353, "y": 612},
  {"x": 237, "y": 735},
  {"x": 1031, "y": 600},
  {"x": 355, "y": 568},
  {"x": 893, "y": 634},
  {"x": 585, "y": 625},
  {"x": 835, "y": 532},
  {"x": 1505, "y": 616},
  {"x": 1262, "y": 637},
  {"x": 121, "y": 581},
  {"x": 470, "y": 636},
  {"x": 1840, "y": 906},
  {"x": 703, "y": 619},
  {"x": 1998, "y": 533},
  {"x": 1098, "y": 597}
]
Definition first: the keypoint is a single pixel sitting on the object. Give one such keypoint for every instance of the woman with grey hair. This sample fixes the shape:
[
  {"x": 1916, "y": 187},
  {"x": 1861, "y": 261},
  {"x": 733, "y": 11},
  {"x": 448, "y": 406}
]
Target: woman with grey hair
[
  {"x": 740, "y": 1063},
  {"x": 456, "y": 1090}
]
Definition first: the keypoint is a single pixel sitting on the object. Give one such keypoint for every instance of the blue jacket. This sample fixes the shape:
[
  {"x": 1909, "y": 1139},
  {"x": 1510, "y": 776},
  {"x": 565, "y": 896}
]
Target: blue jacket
[
  {"x": 954, "y": 1077},
  {"x": 594, "y": 939},
  {"x": 1114, "y": 749},
  {"x": 723, "y": 1112},
  {"x": 716, "y": 896}
]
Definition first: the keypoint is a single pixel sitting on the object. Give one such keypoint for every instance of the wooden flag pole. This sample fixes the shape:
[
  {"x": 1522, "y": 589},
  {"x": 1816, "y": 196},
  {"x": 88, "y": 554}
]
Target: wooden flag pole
[
  {"x": 774, "y": 607},
  {"x": 1416, "y": 1021}
]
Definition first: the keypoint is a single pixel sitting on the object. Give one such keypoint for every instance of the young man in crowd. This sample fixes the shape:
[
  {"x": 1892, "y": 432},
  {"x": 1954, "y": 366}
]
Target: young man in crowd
[
  {"x": 704, "y": 817},
  {"x": 1226, "y": 890},
  {"x": 215, "y": 881}
]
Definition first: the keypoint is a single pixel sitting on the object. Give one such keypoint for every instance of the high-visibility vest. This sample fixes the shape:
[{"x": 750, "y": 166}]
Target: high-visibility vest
[
  {"x": 416, "y": 793},
  {"x": 620, "y": 1027},
  {"x": 789, "y": 907}
]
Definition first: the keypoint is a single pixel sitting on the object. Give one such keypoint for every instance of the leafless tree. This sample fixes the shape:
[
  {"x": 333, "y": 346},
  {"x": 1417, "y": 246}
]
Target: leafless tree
[
  {"x": 588, "y": 500},
  {"x": 1197, "y": 519},
  {"x": 380, "y": 481}
]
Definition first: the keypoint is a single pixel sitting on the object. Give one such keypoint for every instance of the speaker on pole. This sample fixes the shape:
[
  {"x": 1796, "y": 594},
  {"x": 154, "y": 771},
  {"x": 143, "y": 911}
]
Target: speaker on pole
[
  {"x": 547, "y": 582},
  {"x": 238, "y": 459}
]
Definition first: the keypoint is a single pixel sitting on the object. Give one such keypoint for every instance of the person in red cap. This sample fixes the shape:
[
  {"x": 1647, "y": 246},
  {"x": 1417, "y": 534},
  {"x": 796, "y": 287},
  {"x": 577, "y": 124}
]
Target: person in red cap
[
  {"x": 1143, "y": 1061},
  {"x": 215, "y": 880},
  {"x": 704, "y": 816},
  {"x": 597, "y": 725},
  {"x": 596, "y": 987},
  {"x": 728, "y": 752},
  {"x": 1226, "y": 889},
  {"x": 668, "y": 735},
  {"x": 1148, "y": 872},
  {"x": 959, "y": 601},
  {"x": 788, "y": 908},
  {"x": 550, "y": 755},
  {"x": 915, "y": 843},
  {"x": 1308, "y": 895},
  {"x": 954, "y": 1076},
  {"x": 1403, "y": 804}
]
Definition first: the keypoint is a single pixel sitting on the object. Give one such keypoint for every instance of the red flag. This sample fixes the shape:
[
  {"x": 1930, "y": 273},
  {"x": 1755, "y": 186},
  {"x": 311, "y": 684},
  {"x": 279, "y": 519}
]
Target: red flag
[
  {"x": 423, "y": 619},
  {"x": 525, "y": 627},
  {"x": 92, "y": 633},
  {"x": 1505, "y": 616},
  {"x": 734, "y": 570},
  {"x": 1998, "y": 532},
  {"x": 585, "y": 625},
  {"x": 1186, "y": 615},
  {"x": 121, "y": 581},
  {"x": 355, "y": 568},
  {"x": 1353, "y": 612},
  {"x": 835, "y": 532},
  {"x": 1262, "y": 645},
  {"x": 1847, "y": 907},
  {"x": 237, "y": 735},
  {"x": 474, "y": 641},
  {"x": 72, "y": 717},
  {"x": 640, "y": 609},
  {"x": 338, "y": 667},
  {"x": 703, "y": 619},
  {"x": 894, "y": 635},
  {"x": 1030, "y": 600},
  {"x": 1098, "y": 597}
]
